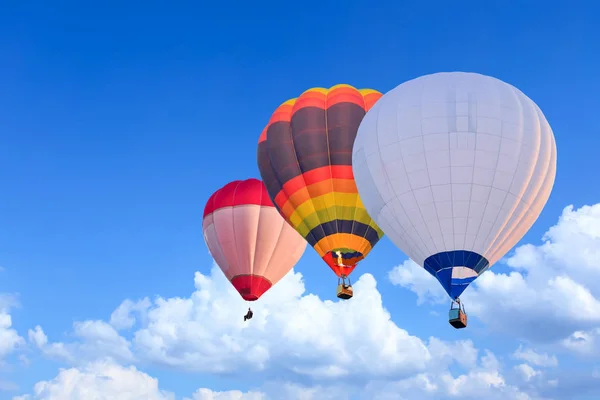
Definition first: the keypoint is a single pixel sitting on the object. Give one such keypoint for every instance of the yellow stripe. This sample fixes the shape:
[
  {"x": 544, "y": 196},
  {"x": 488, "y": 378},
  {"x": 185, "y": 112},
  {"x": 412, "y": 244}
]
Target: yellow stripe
[
  {"x": 289, "y": 102},
  {"x": 323, "y": 202},
  {"x": 317, "y": 89},
  {"x": 342, "y": 85},
  {"x": 365, "y": 92}
]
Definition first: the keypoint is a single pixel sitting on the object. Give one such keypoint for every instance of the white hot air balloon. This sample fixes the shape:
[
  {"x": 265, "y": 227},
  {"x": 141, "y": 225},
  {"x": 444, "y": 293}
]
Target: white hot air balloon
[{"x": 455, "y": 168}]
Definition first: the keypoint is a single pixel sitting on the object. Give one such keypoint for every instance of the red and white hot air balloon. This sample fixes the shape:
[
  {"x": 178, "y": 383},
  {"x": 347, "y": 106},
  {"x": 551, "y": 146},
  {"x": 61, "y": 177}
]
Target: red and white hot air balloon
[{"x": 248, "y": 238}]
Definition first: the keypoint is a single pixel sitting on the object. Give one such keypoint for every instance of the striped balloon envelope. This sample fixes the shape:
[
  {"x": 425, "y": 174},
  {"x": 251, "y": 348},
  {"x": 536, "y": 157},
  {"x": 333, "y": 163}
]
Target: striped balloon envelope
[
  {"x": 305, "y": 160},
  {"x": 249, "y": 240}
]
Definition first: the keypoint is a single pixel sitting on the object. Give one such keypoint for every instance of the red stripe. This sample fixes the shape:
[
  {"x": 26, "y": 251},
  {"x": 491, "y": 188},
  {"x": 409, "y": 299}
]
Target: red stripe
[
  {"x": 237, "y": 193},
  {"x": 310, "y": 177},
  {"x": 250, "y": 287},
  {"x": 263, "y": 135},
  {"x": 346, "y": 270}
]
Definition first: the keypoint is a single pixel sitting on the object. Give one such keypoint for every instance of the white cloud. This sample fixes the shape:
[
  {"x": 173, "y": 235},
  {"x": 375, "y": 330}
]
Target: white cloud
[
  {"x": 584, "y": 343},
  {"x": 296, "y": 345},
  {"x": 413, "y": 277},
  {"x": 97, "y": 338},
  {"x": 295, "y": 334},
  {"x": 105, "y": 379},
  {"x": 9, "y": 338},
  {"x": 535, "y": 358},
  {"x": 207, "y": 394},
  {"x": 552, "y": 291},
  {"x": 99, "y": 381},
  {"x": 123, "y": 317},
  {"x": 484, "y": 380},
  {"x": 527, "y": 371}
]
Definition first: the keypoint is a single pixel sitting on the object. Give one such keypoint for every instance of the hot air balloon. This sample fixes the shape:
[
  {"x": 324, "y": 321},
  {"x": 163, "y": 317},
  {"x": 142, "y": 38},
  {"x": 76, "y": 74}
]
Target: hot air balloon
[
  {"x": 248, "y": 239},
  {"x": 305, "y": 160},
  {"x": 455, "y": 168}
]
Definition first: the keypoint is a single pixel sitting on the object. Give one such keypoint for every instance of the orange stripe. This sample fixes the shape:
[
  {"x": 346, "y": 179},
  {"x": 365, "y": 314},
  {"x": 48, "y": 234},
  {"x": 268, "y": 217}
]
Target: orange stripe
[
  {"x": 332, "y": 185},
  {"x": 313, "y": 176},
  {"x": 283, "y": 112},
  {"x": 347, "y": 240},
  {"x": 310, "y": 98},
  {"x": 371, "y": 99},
  {"x": 344, "y": 93},
  {"x": 344, "y": 186}
]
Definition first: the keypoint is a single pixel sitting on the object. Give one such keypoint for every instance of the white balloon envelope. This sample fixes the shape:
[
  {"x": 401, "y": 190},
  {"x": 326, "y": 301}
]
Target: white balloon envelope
[{"x": 455, "y": 168}]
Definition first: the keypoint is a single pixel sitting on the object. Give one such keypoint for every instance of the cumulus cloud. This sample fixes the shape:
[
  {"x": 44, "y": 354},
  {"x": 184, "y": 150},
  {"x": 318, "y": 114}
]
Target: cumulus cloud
[
  {"x": 105, "y": 379},
  {"x": 526, "y": 371},
  {"x": 535, "y": 358},
  {"x": 297, "y": 345},
  {"x": 96, "y": 338},
  {"x": 550, "y": 294},
  {"x": 584, "y": 343},
  {"x": 484, "y": 380},
  {"x": 207, "y": 394},
  {"x": 10, "y": 340},
  {"x": 411, "y": 276},
  {"x": 98, "y": 381},
  {"x": 291, "y": 332},
  {"x": 124, "y": 316}
]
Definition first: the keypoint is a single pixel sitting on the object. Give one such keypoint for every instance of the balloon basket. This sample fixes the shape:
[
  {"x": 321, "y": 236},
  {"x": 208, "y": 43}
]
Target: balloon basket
[
  {"x": 457, "y": 316},
  {"x": 344, "y": 291}
]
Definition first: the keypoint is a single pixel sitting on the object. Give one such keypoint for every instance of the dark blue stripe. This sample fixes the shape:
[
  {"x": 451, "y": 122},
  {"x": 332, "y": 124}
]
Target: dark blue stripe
[{"x": 440, "y": 265}]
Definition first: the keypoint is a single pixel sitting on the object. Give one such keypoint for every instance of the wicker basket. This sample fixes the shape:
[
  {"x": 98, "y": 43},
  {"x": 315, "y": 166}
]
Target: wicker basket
[{"x": 344, "y": 291}]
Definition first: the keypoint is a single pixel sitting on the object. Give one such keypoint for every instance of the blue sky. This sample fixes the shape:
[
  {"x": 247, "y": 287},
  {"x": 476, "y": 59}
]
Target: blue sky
[{"x": 117, "y": 122}]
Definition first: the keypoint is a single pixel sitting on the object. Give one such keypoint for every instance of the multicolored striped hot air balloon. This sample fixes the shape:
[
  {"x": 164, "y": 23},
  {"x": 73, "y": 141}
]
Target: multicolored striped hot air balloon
[
  {"x": 249, "y": 240},
  {"x": 305, "y": 160}
]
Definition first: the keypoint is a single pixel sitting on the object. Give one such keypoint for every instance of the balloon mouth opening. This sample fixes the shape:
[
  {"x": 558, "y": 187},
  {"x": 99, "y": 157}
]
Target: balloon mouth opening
[
  {"x": 251, "y": 286},
  {"x": 342, "y": 261},
  {"x": 343, "y": 257}
]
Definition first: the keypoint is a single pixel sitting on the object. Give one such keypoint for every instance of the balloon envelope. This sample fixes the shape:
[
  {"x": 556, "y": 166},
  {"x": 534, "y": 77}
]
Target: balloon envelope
[
  {"x": 305, "y": 160},
  {"x": 455, "y": 168},
  {"x": 249, "y": 240}
]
